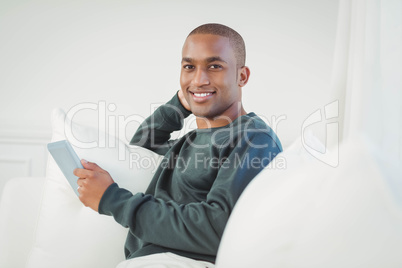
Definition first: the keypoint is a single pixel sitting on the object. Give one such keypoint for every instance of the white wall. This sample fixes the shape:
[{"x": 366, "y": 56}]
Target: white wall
[{"x": 61, "y": 53}]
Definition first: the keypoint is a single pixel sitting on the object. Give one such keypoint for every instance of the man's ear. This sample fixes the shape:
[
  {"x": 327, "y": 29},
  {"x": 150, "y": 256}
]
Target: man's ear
[{"x": 244, "y": 74}]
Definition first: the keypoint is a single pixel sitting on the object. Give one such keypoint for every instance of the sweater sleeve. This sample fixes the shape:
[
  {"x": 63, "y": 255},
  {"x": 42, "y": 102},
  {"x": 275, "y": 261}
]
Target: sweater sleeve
[
  {"x": 155, "y": 132},
  {"x": 193, "y": 227}
]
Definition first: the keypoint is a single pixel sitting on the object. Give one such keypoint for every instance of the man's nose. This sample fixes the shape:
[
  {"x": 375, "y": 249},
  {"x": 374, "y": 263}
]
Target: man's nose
[{"x": 200, "y": 78}]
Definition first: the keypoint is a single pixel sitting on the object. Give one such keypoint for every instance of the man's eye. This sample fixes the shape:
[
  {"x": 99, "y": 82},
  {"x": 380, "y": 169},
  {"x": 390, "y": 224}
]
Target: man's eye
[
  {"x": 188, "y": 67},
  {"x": 215, "y": 66}
]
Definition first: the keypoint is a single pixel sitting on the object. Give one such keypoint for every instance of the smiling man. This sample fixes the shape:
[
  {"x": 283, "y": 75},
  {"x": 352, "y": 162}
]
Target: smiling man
[
  {"x": 182, "y": 215},
  {"x": 213, "y": 73}
]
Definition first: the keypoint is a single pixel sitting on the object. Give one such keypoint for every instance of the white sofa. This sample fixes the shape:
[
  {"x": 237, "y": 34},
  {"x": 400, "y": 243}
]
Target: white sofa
[{"x": 298, "y": 212}]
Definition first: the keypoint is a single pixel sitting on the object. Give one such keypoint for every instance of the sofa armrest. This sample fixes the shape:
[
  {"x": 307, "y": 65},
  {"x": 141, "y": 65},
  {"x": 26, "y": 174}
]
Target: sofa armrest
[{"x": 19, "y": 211}]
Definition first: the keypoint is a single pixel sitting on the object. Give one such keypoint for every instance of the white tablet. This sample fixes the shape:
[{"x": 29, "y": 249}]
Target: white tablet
[{"x": 67, "y": 160}]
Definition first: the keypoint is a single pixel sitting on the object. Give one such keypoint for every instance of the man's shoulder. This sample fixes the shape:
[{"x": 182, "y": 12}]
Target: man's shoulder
[
  {"x": 254, "y": 127},
  {"x": 252, "y": 121}
]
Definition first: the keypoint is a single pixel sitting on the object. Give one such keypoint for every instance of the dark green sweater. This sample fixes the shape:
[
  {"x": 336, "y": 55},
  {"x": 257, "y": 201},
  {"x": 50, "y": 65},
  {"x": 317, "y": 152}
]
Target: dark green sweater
[{"x": 190, "y": 198}]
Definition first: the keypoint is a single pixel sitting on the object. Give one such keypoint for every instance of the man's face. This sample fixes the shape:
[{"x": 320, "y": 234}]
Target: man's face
[{"x": 209, "y": 76}]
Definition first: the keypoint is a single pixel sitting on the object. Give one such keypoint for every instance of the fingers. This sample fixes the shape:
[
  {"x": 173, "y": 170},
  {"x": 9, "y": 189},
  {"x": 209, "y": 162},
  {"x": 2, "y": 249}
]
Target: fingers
[
  {"x": 83, "y": 173},
  {"x": 91, "y": 186},
  {"x": 90, "y": 165},
  {"x": 81, "y": 182},
  {"x": 89, "y": 169}
]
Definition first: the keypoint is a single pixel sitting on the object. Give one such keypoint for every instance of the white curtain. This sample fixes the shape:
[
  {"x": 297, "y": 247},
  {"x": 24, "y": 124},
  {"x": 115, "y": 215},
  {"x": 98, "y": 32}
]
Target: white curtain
[{"x": 367, "y": 73}]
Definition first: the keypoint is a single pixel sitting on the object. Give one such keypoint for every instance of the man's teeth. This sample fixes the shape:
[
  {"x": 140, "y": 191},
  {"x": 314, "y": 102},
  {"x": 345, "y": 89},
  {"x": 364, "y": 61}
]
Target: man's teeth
[{"x": 202, "y": 94}]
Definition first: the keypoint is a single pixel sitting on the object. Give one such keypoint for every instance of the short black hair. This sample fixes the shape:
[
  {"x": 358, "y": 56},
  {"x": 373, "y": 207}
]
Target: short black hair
[{"x": 235, "y": 39}]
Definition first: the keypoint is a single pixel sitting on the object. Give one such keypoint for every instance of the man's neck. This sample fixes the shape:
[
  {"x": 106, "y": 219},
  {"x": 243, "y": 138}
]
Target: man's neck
[{"x": 219, "y": 121}]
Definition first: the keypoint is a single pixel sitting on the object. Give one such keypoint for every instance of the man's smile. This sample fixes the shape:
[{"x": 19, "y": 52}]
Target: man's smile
[{"x": 203, "y": 96}]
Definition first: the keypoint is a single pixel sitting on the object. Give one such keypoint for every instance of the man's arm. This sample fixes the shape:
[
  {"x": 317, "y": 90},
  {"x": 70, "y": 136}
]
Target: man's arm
[
  {"x": 93, "y": 180},
  {"x": 154, "y": 132},
  {"x": 194, "y": 227}
]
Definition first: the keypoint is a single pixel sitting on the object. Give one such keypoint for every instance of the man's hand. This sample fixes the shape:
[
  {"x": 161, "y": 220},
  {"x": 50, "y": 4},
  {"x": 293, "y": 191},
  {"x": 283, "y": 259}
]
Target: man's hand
[
  {"x": 93, "y": 182},
  {"x": 183, "y": 100}
]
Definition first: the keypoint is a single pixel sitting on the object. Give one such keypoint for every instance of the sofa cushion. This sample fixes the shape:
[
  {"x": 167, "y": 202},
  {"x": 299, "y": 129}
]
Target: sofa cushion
[
  {"x": 15, "y": 213},
  {"x": 311, "y": 214},
  {"x": 69, "y": 234}
]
